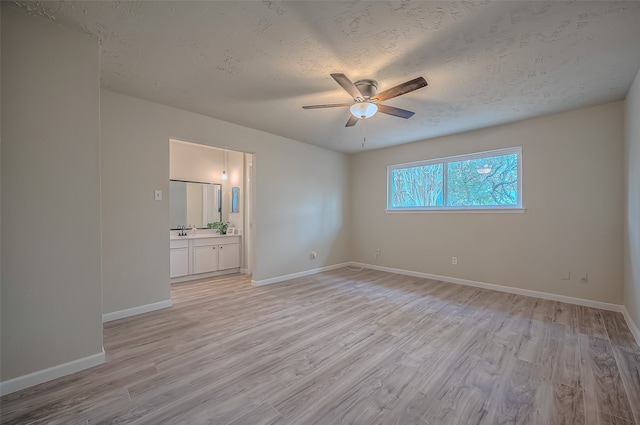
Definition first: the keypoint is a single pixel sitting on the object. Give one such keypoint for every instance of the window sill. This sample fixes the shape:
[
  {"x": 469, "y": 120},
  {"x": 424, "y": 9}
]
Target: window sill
[{"x": 461, "y": 210}]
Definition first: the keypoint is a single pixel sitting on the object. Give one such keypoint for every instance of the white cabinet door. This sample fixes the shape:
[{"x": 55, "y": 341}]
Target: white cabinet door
[
  {"x": 205, "y": 259},
  {"x": 179, "y": 262},
  {"x": 229, "y": 256}
]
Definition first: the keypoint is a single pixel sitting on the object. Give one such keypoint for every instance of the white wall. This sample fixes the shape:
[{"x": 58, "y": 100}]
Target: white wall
[
  {"x": 51, "y": 294},
  {"x": 632, "y": 203},
  {"x": 572, "y": 188},
  {"x": 301, "y": 197}
]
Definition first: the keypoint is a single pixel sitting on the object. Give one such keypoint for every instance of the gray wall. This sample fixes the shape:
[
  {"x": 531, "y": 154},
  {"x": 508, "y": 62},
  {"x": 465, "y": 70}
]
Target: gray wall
[
  {"x": 301, "y": 197},
  {"x": 51, "y": 293},
  {"x": 632, "y": 203},
  {"x": 572, "y": 186}
]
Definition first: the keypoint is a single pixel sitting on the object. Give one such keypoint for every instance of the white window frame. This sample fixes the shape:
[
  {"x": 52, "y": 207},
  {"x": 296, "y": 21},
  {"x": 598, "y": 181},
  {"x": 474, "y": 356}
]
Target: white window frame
[{"x": 444, "y": 161}]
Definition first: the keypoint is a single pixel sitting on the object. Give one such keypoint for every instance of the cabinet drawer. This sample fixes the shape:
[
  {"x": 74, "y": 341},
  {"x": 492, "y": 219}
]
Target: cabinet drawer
[
  {"x": 205, "y": 241},
  {"x": 228, "y": 240},
  {"x": 220, "y": 240},
  {"x": 179, "y": 243}
]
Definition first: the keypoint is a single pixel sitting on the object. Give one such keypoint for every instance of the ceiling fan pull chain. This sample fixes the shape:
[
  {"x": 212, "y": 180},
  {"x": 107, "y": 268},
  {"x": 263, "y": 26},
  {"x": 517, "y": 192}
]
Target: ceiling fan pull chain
[{"x": 364, "y": 133}]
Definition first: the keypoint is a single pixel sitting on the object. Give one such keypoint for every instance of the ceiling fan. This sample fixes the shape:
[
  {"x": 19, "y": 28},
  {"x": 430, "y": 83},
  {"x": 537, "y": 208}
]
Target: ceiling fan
[{"x": 367, "y": 102}]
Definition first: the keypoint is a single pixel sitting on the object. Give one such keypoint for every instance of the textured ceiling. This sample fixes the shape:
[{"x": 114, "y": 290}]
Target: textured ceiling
[{"x": 255, "y": 63}]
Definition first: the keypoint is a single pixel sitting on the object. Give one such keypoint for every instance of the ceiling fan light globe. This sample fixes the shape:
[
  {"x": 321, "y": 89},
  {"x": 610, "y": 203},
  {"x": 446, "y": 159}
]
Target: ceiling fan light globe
[{"x": 363, "y": 110}]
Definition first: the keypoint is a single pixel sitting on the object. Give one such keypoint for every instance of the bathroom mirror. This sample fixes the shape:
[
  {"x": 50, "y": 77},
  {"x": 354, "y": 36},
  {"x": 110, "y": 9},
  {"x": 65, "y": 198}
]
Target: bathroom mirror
[{"x": 194, "y": 203}]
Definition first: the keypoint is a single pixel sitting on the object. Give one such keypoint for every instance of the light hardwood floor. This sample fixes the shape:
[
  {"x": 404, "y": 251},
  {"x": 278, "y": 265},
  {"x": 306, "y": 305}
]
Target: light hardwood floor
[{"x": 346, "y": 347}]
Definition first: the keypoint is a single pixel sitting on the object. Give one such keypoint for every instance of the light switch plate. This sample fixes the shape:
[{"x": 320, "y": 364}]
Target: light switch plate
[{"x": 158, "y": 195}]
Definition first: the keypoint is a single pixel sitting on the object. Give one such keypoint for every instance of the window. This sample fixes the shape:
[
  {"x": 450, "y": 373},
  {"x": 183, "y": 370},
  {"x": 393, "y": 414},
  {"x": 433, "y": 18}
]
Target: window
[{"x": 483, "y": 180}]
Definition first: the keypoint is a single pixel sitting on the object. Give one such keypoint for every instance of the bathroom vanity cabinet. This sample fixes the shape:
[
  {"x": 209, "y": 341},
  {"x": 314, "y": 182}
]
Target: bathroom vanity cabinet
[{"x": 198, "y": 256}]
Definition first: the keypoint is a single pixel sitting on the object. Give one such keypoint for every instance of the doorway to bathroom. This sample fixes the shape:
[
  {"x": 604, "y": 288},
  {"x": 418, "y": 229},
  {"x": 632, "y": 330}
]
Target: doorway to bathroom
[{"x": 211, "y": 201}]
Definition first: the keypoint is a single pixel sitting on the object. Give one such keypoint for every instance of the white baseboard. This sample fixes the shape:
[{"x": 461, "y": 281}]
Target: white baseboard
[
  {"x": 121, "y": 314},
  {"x": 295, "y": 275},
  {"x": 55, "y": 372},
  {"x": 632, "y": 325},
  {"x": 501, "y": 288}
]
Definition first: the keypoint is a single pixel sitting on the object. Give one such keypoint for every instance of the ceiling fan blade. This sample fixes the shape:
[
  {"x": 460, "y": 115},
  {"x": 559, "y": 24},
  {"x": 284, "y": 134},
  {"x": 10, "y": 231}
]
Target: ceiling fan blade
[
  {"x": 348, "y": 85},
  {"x": 396, "y": 112},
  {"x": 401, "y": 89},
  {"x": 352, "y": 121},
  {"x": 330, "y": 105}
]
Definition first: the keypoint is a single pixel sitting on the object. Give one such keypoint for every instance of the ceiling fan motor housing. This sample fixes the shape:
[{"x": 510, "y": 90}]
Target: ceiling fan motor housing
[{"x": 368, "y": 88}]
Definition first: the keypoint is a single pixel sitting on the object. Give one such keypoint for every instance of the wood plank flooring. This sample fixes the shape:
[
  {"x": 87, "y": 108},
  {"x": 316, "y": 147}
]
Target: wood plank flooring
[{"x": 346, "y": 347}]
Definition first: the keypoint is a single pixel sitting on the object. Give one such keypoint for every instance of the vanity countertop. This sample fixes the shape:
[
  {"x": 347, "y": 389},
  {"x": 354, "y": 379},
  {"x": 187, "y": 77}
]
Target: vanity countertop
[{"x": 198, "y": 235}]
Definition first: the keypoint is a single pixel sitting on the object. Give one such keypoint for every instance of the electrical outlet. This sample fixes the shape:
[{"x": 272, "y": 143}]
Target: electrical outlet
[
  {"x": 584, "y": 278},
  {"x": 313, "y": 255},
  {"x": 157, "y": 195},
  {"x": 454, "y": 260},
  {"x": 566, "y": 275},
  {"x": 378, "y": 251}
]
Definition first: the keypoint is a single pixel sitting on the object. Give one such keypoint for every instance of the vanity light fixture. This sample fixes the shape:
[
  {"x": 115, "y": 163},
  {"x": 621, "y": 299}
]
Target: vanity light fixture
[{"x": 224, "y": 170}]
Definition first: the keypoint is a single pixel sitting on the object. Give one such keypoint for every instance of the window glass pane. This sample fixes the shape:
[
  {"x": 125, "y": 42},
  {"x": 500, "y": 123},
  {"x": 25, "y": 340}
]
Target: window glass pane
[
  {"x": 489, "y": 181},
  {"x": 417, "y": 186}
]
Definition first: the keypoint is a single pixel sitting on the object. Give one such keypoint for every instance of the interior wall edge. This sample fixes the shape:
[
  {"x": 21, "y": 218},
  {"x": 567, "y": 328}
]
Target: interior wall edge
[
  {"x": 633, "y": 327},
  {"x": 631, "y": 210},
  {"x": 51, "y": 294}
]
